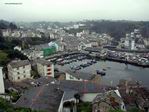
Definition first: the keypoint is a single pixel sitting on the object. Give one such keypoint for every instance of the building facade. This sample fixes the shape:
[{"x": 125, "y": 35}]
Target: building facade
[
  {"x": 19, "y": 70},
  {"x": 45, "y": 68}
]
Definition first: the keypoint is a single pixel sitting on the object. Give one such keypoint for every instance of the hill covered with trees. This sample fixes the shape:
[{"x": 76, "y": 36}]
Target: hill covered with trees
[{"x": 118, "y": 29}]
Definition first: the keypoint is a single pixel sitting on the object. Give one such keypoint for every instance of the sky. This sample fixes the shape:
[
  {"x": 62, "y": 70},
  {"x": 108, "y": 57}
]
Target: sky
[{"x": 74, "y": 10}]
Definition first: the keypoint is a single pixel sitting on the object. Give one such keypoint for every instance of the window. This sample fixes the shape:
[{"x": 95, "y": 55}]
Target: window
[
  {"x": 18, "y": 73},
  {"x": 24, "y": 76},
  {"x": 18, "y": 77},
  {"x": 23, "y": 71},
  {"x": 49, "y": 73},
  {"x": 49, "y": 69}
]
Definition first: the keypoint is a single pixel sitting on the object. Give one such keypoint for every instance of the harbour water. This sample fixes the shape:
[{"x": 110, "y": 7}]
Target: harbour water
[{"x": 114, "y": 71}]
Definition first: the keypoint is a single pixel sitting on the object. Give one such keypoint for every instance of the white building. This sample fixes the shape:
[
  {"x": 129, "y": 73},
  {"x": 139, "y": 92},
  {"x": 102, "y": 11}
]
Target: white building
[
  {"x": 33, "y": 54},
  {"x": 71, "y": 76},
  {"x": 6, "y": 33},
  {"x": 45, "y": 68},
  {"x": 19, "y": 70},
  {"x": 2, "y": 88},
  {"x": 17, "y": 48},
  {"x": 83, "y": 45},
  {"x": 126, "y": 43},
  {"x": 132, "y": 44}
]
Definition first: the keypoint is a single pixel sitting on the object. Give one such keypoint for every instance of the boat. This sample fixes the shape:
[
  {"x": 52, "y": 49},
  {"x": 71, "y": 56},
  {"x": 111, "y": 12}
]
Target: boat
[
  {"x": 94, "y": 61},
  {"x": 102, "y": 73},
  {"x": 77, "y": 68},
  {"x": 104, "y": 69}
]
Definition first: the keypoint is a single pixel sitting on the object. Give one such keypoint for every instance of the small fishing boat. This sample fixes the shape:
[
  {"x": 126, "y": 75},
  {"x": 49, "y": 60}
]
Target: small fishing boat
[{"x": 102, "y": 73}]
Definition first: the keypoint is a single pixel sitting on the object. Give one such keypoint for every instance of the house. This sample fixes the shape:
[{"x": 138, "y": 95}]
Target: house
[
  {"x": 32, "y": 54},
  {"x": 17, "y": 48},
  {"x": 45, "y": 68},
  {"x": 84, "y": 44},
  {"x": 134, "y": 95},
  {"x": 103, "y": 102},
  {"x": 19, "y": 70},
  {"x": 47, "y": 98}
]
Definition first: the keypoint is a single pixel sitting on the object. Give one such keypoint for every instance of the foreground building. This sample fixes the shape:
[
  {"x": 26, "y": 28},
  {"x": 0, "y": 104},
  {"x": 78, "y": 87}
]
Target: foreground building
[
  {"x": 108, "y": 100},
  {"x": 46, "y": 97},
  {"x": 134, "y": 95},
  {"x": 19, "y": 70}
]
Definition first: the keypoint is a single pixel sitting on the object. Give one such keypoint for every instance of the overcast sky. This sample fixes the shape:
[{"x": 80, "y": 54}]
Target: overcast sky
[{"x": 74, "y": 10}]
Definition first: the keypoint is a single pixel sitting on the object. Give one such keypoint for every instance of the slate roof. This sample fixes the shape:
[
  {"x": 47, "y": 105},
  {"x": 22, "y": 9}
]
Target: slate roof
[
  {"x": 43, "y": 62},
  {"x": 40, "y": 47},
  {"x": 81, "y": 75},
  {"x": 69, "y": 94},
  {"x": 110, "y": 97},
  {"x": 46, "y": 97},
  {"x": 84, "y": 86},
  {"x": 19, "y": 63}
]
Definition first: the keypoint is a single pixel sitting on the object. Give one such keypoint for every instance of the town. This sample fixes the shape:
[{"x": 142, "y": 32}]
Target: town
[{"x": 49, "y": 70}]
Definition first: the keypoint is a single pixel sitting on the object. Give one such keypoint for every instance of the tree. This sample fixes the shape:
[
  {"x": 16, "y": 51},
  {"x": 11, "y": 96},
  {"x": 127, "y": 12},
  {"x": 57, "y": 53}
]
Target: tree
[
  {"x": 77, "y": 97},
  {"x": 134, "y": 110},
  {"x": 84, "y": 107},
  {"x": 12, "y": 26},
  {"x": 15, "y": 96},
  {"x": 34, "y": 73},
  {"x": 3, "y": 58},
  {"x": 7, "y": 107}
]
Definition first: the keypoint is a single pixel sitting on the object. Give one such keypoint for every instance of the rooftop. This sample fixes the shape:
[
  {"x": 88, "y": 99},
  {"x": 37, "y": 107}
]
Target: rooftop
[
  {"x": 82, "y": 75},
  {"x": 43, "y": 62},
  {"x": 110, "y": 97},
  {"x": 46, "y": 97},
  {"x": 84, "y": 86},
  {"x": 19, "y": 63}
]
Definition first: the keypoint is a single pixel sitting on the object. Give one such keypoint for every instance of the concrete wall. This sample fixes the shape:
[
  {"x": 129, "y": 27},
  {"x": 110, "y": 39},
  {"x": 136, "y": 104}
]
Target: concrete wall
[
  {"x": 70, "y": 77},
  {"x": 43, "y": 69},
  {"x": 20, "y": 73},
  {"x": 88, "y": 97},
  {"x": 2, "y": 88},
  {"x": 60, "y": 109}
]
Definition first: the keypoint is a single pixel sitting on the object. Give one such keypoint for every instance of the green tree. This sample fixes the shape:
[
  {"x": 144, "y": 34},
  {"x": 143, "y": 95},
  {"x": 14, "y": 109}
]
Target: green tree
[
  {"x": 134, "y": 110},
  {"x": 84, "y": 107},
  {"x": 3, "y": 58},
  {"x": 15, "y": 96}
]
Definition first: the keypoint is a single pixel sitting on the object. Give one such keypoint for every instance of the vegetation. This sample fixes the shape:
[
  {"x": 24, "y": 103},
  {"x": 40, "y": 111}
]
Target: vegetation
[
  {"x": 15, "y": 96},
  {"x": 7, "y": 107},
  {"x": 84, "y": 107},
  {"x": 134, "y": 110},
  {"x": 3, "y": 58},
  {"x": 34, "y": 73},
  {"x": 130, "y": 110},
  {"x": 6, "y": 25},
  {"x": 117, "y": 29},
  {"x": 7, "y": 52},
  {"x": 74, "y": 31}
]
